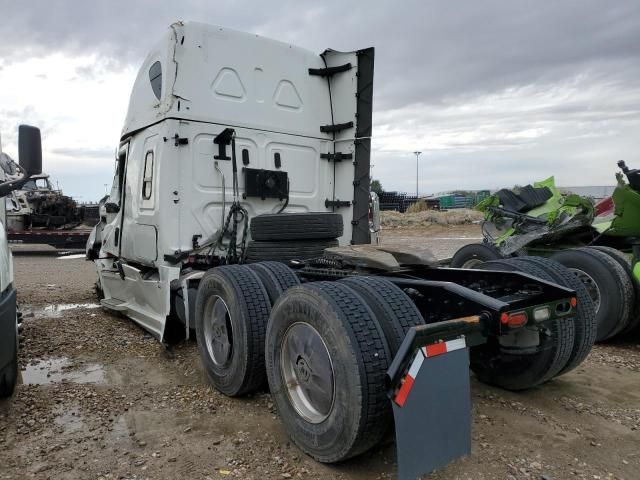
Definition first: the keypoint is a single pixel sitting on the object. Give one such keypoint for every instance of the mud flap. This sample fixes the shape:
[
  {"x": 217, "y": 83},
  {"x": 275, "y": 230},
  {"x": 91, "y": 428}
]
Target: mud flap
[{"x": 432, "y": 409}]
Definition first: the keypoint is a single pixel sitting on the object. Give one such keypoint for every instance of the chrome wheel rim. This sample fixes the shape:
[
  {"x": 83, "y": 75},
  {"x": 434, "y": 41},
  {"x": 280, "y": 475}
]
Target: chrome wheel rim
[
  {"x": 307, "y": 371},
  {"x": 472, "y": 263},
  {"x": 218, "y": 334},
  {"x": 590, "y": 284}
]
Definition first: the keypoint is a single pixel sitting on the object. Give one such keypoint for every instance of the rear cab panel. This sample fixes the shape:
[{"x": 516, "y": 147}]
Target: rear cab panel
[{"x": 197, "y": 81}]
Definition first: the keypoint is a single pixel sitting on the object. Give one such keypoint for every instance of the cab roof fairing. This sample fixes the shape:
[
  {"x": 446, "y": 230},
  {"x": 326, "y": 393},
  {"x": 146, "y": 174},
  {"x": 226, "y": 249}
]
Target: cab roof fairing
[
  {"x": 144, "y": 108},
  {"x": 192, "y": 54}
]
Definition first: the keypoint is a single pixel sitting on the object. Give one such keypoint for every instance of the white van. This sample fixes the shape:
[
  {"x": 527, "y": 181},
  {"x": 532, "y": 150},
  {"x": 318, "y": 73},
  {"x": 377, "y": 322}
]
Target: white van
[{"x": 30, "y": 156}]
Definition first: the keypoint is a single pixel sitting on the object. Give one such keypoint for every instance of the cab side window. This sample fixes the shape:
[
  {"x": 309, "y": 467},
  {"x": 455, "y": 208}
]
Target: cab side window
[
  {"x": 147, "y": 179},
  {"x": 118, "y": 180},
  {"x": 155, "y": 79}
]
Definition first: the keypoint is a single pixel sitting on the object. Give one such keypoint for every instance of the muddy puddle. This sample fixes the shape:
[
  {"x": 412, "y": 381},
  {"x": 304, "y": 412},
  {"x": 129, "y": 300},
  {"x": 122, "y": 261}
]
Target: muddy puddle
[
  {"x": 59, "y": 370},
  {"x": 74, "y": 256},
  {"x": 69, "y": 420},
  {"x": 57, "y": 310}
]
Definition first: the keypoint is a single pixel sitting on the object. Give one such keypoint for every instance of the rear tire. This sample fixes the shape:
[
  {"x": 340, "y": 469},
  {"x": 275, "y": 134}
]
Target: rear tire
[
  {"x": 474, "y": 254},
  {"x": 232, "y": 310},
  {"x": 586, "y": 325},
  {"x": 9, "y": 374},
  {"x": 521, "y": 368},
  {"x": 9, "y": 377},
  {"x": 395, "y": 311},
  {"x": 607, "y": 283},
  {"x": 326, "y": 362},
  {"x": 623, "y": 260},
  {"x": 276, "y": 278}
]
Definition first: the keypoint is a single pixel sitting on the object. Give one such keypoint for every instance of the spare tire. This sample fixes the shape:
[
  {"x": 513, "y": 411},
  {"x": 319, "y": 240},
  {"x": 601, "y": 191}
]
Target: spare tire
[
  {"x": 531, "y": 357},
  {"x": 287, "y": 250},
  {"x": 474, "y": 254},
  {"x": 297, "y": 226},
  {"x": 607, "y": 283},
  {"x": 326, "y": 362}
]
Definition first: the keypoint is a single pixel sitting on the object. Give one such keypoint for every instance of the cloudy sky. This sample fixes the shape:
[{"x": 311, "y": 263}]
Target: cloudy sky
[{"x": 493, "y": 93}]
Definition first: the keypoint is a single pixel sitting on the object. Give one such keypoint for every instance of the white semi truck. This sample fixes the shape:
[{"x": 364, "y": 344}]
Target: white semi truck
[
  {"x": 240, "y": 209},
  {"x": 30, "y": 154}
]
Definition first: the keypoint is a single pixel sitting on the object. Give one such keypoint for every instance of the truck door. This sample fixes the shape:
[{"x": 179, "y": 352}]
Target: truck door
[
  {"x": 114, "y": 206},
  {"x": 139, "y": 235}
]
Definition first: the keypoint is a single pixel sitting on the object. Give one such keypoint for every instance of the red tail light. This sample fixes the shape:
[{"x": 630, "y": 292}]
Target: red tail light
[{"x": 514, "y": 320}]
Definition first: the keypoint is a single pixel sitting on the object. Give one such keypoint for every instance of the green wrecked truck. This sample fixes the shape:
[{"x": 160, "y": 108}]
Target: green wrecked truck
[{"x": 599, "y": 242}]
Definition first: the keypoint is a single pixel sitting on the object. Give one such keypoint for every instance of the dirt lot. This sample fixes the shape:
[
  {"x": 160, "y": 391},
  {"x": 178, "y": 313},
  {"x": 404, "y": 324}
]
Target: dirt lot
[{"x": 100, "y": 398}]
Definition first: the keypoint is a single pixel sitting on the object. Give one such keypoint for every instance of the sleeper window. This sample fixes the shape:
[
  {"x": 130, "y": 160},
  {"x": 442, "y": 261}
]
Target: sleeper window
[
  {"x": 155, "y": 79},
  {"x": 147, "y": 181}
]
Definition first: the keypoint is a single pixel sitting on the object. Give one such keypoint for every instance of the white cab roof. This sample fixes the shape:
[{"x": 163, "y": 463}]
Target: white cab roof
[{"x": 217, "y": 75}]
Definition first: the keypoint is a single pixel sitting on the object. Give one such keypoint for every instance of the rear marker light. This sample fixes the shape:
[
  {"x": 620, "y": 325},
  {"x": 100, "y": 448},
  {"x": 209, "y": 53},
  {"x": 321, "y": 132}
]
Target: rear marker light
[
  {"x": 541, "y": 314},
  {"x": 504, "y": 319},
  {"x": 573, "y": 302}
]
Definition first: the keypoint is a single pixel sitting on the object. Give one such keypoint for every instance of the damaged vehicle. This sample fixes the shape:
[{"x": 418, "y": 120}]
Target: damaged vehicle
[
  {"x": 38, "y": 213},
  {"x": 37, "y": 204},
  {"x": 241, "y": 212},
  {"x": 598, "y": 242}
]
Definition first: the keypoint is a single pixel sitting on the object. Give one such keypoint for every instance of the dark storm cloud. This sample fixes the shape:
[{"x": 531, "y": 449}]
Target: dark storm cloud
[
  {"x": 500, "y": 90},
  {"x": 427, "y": 51}
]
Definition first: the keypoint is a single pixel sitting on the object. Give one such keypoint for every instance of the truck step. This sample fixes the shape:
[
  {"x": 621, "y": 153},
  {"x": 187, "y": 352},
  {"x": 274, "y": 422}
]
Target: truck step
[{"x": 114, "y": 304}]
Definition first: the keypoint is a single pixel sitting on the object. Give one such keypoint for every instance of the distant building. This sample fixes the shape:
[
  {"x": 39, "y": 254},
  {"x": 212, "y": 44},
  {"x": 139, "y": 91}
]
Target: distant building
[{"x": 596, "y": 192}]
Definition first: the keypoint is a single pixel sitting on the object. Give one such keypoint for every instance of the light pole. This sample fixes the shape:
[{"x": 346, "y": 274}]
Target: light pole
[{"x": 417, "y": 154}]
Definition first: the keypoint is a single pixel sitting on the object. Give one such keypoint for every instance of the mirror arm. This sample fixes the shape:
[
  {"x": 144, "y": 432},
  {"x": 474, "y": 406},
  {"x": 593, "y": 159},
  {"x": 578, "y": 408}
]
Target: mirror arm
[{"x": 7, "y": 187}]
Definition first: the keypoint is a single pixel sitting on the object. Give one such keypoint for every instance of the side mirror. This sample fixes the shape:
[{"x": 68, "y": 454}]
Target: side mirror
[
  {"x": 111, "y": 207},
  {"x": 30, "y": 149}
]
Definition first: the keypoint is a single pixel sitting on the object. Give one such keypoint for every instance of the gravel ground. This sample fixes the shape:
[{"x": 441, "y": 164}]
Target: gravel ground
[{"x": 100, "y": 398}]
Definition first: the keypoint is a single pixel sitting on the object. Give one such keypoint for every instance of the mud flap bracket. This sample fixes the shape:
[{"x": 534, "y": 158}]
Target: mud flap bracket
[{"x": 432, "y": 409}]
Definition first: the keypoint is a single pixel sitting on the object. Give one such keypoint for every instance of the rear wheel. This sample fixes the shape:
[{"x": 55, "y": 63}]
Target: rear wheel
[
  {"x": 472, "y": 255},
  {"x": 607, "y": 283},
  {"x": 232, "y": 309},
  {"x": 326, "y": 360},
  {"x": 8, "y": 378},
  {"x": 586, "y": 325},
  {"x": 276, "y": 278},
  {"x": 529, "y": 356},
  {"x": 395, "y": 311},
  {"x": 625, "y": 263},
  {"x": 9, "y": 374}
]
